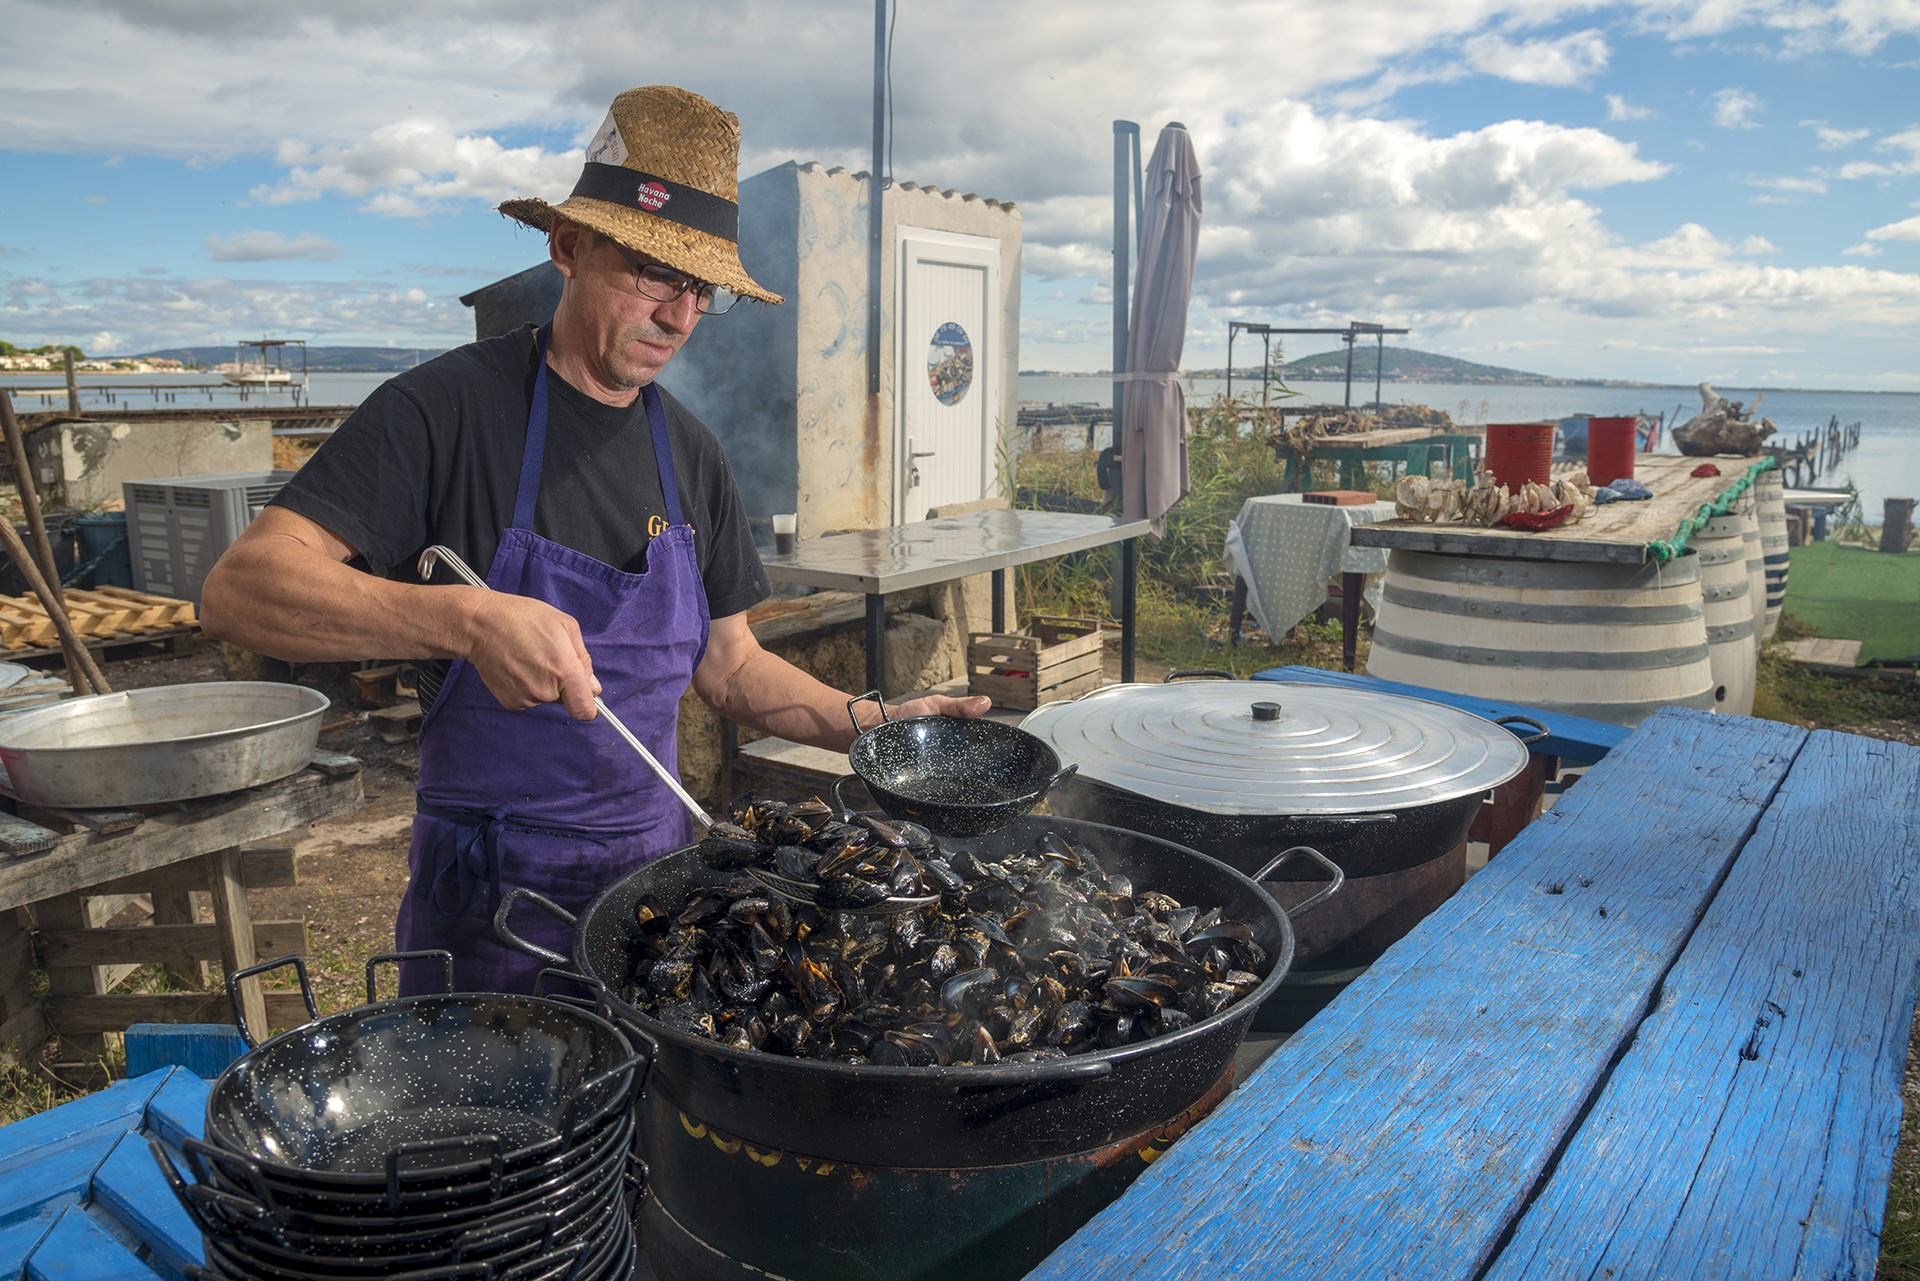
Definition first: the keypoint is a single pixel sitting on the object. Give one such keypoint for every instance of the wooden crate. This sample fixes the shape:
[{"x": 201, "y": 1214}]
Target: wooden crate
[{"x": 1049, "y": 660}]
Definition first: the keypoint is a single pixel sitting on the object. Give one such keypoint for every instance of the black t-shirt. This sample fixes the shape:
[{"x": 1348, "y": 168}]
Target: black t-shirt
[{"x": 433, "y": 456}]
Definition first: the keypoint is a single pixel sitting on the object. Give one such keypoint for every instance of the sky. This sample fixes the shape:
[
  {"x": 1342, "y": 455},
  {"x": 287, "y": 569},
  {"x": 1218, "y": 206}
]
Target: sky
[{"x": 1723, "y": 190}]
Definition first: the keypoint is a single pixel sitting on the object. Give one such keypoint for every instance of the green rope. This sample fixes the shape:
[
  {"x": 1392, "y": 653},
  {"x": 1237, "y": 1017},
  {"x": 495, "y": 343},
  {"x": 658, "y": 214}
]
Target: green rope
[{"x": 1691, "y": 525}]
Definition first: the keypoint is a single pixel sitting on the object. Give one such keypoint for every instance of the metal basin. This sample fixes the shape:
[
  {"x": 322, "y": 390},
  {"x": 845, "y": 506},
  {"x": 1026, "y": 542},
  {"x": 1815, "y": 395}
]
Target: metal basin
[{"x": 167, "y": 743}]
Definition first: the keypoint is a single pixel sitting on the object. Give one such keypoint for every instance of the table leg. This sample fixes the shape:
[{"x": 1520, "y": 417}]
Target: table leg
[
  {"x": 1129, "y": 572},
  {"x": 1000, "y": 601},
  {"x": 234, "y": 918},
  {"x": 1515, "y": 804},
  {"x": 175, "y": 907},
  {"x": 69, "y": 912},
  {"x": 1351, "y": 586},
  {"x": 876, "y": 642},
  {"x": 1290, "y": 484},
  {"x": 1237, "y": 612}
]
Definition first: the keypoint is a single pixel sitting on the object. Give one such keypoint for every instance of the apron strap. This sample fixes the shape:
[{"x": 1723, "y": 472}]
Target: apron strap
[
  {"x": 473, "y": 838},
  {"x": 535, "y": 452},
  {"x": 663, "y": 453}
]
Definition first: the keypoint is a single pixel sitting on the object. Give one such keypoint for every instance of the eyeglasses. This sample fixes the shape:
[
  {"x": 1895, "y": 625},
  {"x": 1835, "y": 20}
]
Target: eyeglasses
[{"x": 662, "y": 283}]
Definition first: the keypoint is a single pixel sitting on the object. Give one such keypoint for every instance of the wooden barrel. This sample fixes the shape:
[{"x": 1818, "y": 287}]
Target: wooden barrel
[
  {"x": 1610, "y": 642},
  {"x": 1748, "y": 510},
  {"x": 1722, "y": 552},
  {"x": 1771, "y": 492}
]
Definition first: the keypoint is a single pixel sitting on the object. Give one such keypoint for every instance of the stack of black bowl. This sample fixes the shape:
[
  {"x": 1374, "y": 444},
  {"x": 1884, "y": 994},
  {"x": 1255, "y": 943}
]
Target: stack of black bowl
[{"x": 432, "y": 1136}]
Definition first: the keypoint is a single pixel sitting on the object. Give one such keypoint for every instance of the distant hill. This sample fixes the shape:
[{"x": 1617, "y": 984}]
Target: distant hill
[{"x": 331, "y": 360}]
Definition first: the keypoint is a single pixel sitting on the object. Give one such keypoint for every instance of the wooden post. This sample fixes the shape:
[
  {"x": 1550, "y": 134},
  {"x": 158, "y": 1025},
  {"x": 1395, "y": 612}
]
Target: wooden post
[
  {"x": 73, "y": 387},
  {"x": 81, "y": 669},
  {"x": 28, "y": 489},
  {"x": 174, "y": 906},
  {"x": 69, "y": 912},
  {"x": 234, "y": 917},
  {"x": 1896, "y": 528}
]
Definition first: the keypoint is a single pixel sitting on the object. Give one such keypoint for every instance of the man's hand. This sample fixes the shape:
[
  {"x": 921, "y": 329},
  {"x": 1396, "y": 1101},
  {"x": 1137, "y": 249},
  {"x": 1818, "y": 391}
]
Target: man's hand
[
  {"x": 528, "y": 653},
  {"x": 941, "y": 705}
]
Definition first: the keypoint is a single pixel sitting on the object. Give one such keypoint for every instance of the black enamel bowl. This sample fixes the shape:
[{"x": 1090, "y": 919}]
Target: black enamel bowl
[{"x": 955, "y": 776}]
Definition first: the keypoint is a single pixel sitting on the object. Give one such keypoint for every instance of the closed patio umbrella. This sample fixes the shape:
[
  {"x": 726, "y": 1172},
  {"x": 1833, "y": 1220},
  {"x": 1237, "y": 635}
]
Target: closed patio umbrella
[{"x": 1153, "y": 416}]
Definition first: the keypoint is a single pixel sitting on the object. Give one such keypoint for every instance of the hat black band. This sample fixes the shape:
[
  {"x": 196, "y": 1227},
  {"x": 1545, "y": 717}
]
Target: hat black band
[{"x": 676, "y": 202}]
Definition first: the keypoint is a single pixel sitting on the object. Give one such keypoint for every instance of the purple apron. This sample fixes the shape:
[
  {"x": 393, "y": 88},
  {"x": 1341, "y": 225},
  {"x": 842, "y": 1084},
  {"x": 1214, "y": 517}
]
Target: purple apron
[{"x": 535, "y": 798}]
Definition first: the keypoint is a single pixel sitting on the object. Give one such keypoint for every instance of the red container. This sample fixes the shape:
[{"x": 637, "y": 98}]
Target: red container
[
  {"x": 1520, "y": 452},
  {"x": 1611, "y": 443}
]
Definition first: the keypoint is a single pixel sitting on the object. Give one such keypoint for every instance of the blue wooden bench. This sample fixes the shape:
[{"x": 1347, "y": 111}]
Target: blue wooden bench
[
  {"x": 1662, "y": 1035},
  {"x": 80, "y": 1196}
]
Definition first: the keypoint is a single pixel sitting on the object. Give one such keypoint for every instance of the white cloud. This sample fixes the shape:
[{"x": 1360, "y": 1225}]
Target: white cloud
[
  {"x": 412, "y": 168},
  {"x": 268, "y": 246},
  {"x": 1811, "y": 185},
  {"x": 1618, "y": 108},
  {"x": 1907, "y": 142},
  {"x": 1734, "y": 108},
  {"x": 1572, "y": 59},
  {"x": 1852, "y": 26},
  {"x": 1832, "y": 139},
  {"x": 1863, "y": 250},
  {"x": 1905, "y": 229}
]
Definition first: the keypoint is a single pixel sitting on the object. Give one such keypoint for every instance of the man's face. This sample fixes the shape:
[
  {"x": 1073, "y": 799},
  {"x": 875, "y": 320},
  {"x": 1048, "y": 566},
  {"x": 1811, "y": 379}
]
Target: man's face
[{"x": 625, "y": 337}]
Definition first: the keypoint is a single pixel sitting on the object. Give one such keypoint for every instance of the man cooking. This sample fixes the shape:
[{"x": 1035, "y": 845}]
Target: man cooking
[{"x": 610, "y": 532}]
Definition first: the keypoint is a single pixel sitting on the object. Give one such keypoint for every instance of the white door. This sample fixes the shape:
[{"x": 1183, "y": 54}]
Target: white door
[{"x": 947, "y": 373}]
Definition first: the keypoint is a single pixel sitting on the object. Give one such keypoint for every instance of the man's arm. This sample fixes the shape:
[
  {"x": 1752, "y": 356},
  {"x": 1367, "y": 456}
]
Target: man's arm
[
  {"x": 745, "y": 683},
  {"x": 284, "y": 589}
]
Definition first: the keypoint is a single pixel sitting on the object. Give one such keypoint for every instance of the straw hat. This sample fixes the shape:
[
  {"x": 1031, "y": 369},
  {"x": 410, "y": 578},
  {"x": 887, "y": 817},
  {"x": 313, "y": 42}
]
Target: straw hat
[{"x": 662, "y": 179}]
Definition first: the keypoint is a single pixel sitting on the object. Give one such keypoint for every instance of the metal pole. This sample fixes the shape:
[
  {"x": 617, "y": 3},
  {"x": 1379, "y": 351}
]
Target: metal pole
[
  {"x": 1124, "y": 132},
  {"x": 1266, "y": 365},
  {"x": 1379, "y": 359},
  {"x": 1349, "y": 340},
  {"x": 874, "y": 258}
]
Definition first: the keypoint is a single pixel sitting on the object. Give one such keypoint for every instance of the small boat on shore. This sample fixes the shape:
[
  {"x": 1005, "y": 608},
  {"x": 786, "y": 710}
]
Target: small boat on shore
[{"x": 266, "y": 365}]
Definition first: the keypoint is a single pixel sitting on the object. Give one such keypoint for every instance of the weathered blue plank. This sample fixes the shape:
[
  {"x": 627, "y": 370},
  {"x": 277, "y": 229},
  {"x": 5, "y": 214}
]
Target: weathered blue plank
[
  {"x": 118, "y": 1107},
  {"x": 129, "y": 1188},
  {"x": 178, "y": 1109},
  {"x": 1574, "y": 739},
  {"x": 79, "y": 1249},
  {"x": 18, "y": 1239},
  {"x": 204, "y": 1049},
  {"x": 1788, "y": 1018},
  {"x": 1399, "y": 1134},
  {"x": 61, "y": 1177}
]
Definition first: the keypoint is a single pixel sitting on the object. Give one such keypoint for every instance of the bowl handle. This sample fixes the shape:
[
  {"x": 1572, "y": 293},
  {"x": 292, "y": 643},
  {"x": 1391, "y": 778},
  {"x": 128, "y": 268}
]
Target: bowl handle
[
  {"x": 1185, "y": 672},
  {"x": 839, "y": 797},
  {"x": 514, "y": 941},
  {"x": 443, "y": 956},
  {"x": 1065, "y": 773},
  {"x": 1528, "y": 739},
  {"x": 233, "y": 992},
  {"x": 1339, "y": 878},
  {"x": 879, "y": 700}
]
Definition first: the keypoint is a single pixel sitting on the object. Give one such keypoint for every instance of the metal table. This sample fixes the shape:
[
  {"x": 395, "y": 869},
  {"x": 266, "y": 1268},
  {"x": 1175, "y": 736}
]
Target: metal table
[{"x": 880, "y": 561}]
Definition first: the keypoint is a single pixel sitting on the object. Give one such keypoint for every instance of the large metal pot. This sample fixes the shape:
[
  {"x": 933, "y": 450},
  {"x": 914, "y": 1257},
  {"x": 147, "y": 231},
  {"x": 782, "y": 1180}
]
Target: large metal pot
[
  {"x": 941, "y": 1117},
  {"x": 1377, "y": 782},
  {"x": 165, "y": 743}
]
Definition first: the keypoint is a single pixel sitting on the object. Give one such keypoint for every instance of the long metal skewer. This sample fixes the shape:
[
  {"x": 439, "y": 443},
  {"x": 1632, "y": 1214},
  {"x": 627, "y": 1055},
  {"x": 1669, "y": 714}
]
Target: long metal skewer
[{"x": 436, "y": 555}]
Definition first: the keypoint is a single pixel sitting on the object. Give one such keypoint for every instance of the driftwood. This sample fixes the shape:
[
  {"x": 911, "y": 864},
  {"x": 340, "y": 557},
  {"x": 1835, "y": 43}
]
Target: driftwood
[{"x": 1722, "y": 427}]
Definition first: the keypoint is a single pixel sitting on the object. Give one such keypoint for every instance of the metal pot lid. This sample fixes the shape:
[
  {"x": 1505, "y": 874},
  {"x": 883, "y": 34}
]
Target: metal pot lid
[{"x": 1266, "y": 747}]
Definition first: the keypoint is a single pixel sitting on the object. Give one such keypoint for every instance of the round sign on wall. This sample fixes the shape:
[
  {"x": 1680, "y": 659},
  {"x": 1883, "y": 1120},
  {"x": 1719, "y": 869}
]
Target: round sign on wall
[{"x": 950, "y": 363}]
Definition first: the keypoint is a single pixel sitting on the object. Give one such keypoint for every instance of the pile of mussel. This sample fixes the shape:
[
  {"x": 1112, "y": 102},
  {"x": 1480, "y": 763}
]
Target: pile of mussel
[{"x": 1030, "y": 956}]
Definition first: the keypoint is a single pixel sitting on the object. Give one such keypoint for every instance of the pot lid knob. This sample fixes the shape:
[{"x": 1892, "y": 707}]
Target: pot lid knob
[{"x": 1266, "y": 711}]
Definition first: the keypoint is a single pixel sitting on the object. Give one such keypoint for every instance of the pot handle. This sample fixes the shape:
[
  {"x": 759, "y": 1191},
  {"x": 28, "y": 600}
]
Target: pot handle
[
  {"x": 1528, "y": 739},
  {"x": 201, "y": 1154},
  {"x": 416, "y": 1147},
  {"x": 512, "y": 940},
  {"x": 1185, "y": 672},
  {"x": 502, "y": 1233},
  {"x": 445, "y": 958},
  {"x": 191, "y": 1196},
  {"x": 1065, "y": 773},
  {"x": 879, "y": 700},
  {"x": 640, "y": 1063},
  {"x": 1339, "y": 878},
  {"x": 233, "y": 992}
]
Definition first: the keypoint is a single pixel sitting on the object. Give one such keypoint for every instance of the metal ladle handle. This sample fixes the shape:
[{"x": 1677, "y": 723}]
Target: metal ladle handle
[{"x": 437, "y": 554}]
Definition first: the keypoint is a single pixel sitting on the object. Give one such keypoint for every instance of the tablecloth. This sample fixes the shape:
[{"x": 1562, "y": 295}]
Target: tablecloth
[{"x": 1286, "y": 550}]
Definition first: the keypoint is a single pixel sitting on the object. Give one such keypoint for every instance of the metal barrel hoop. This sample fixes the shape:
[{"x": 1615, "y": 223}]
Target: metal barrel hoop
[
  {"x": 395, "y": 958},
  {"x": 545, "y": 904},
  {"x": 233, "y": 992},
  {"x": 1273, "y": 864}
]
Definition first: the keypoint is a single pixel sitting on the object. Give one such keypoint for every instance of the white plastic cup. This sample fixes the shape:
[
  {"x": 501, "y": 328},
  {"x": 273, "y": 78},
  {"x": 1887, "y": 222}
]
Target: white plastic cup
[{"x": 785, "y": 528}]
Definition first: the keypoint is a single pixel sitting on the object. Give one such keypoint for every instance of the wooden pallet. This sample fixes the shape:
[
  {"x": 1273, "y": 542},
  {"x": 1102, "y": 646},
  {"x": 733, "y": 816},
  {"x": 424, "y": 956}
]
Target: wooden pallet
[{"x": 106, "y": 613}]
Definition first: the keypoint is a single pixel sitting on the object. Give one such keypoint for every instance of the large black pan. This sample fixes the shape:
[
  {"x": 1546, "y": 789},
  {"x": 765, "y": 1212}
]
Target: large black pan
[{"x": 942, "y": 1117}]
